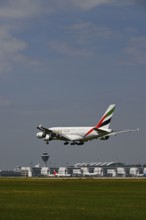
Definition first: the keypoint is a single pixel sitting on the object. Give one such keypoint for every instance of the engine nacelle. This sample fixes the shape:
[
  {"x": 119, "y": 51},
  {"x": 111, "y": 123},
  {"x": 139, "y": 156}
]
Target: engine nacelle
[
  {"x": 47, "y": 138},
  {"x": 104, "y": 138},
  {"x": 40, "y": 135}
]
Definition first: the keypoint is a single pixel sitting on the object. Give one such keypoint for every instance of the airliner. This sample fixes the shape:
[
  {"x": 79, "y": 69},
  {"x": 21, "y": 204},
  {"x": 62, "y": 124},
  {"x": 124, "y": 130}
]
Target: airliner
[
  {"x": 80, "y": 135},
  {"x": 55, "y": 174}
]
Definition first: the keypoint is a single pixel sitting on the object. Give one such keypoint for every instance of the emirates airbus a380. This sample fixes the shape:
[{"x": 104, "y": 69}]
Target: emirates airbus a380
[{"x": 79, "y": 135}]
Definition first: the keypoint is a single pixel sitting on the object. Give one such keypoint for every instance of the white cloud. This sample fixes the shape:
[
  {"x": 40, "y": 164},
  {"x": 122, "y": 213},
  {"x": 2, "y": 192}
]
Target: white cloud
[
  {"x": 14, "y": 12},
  {"x": 4, "y": 102},
  {"x": 10, "y": 48},
  {"x": 137, "y": 50},
  {"x": 86, "y": 4},
  {"x": 16, "y": 9},
  {"x": 87, "y": 31},
  {"x": 64, "y": 48},
  {"x": 81, "y": 39},
  {"x": 20, "y": 9},
  {"x": 9, "y": 43},
  {"x": 25, "y": 9}
]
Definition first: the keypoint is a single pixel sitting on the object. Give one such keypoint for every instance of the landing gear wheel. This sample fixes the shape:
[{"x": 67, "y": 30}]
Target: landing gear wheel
[{"x": 80, "y": 143}]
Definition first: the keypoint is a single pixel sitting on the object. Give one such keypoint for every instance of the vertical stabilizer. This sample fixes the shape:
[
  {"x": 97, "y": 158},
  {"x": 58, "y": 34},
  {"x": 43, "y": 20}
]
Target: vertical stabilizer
[{"x": 106, "y": 118}]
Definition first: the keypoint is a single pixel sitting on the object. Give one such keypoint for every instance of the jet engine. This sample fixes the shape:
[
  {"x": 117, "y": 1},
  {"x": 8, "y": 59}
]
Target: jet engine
[
  {"x": 104, "y": 138},
  {"x": 41, "y": 135},
  {"x": 47, "y": 137}
]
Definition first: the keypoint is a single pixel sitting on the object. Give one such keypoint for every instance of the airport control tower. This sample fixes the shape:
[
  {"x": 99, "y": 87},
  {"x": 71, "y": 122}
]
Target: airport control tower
[{"x": 45, "y": 158}]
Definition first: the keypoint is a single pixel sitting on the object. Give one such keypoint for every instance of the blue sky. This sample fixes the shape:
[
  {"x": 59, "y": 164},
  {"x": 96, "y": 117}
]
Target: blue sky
[{"x": 62, "y": 62}]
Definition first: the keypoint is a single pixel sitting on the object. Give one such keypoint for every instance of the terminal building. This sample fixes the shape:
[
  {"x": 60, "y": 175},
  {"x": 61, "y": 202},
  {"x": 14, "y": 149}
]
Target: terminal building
[
  {"x": 112, "y": 169},
  {"x": 92, "y": 169}
]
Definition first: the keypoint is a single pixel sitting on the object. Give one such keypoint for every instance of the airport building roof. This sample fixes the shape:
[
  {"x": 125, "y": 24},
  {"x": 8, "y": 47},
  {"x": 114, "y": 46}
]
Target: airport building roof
[{"x": 99, "y": 164}]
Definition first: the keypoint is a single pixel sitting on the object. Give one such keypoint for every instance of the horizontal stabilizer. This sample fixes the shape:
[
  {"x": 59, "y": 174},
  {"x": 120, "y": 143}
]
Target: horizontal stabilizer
[{"x": 103, "y": 130}]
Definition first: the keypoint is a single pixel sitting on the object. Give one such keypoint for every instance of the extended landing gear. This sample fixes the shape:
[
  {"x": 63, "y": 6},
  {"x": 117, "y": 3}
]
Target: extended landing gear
[
  {"x": 47, "y": 142},
  {"x": 77, "y": 143},
  {"x": 66, "y": 143},
  {"x": 74, "y": 143},
  {"x": 80, "y": 143}
]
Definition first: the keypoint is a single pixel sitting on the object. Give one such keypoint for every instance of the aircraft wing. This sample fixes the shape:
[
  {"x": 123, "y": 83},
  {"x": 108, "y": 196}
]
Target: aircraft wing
[
  {"x": 46, "y": 130},
  {"x": 73, "y": 137},
  {"x": 122, "y": 131},
  {"x": 105, "y": 134}
]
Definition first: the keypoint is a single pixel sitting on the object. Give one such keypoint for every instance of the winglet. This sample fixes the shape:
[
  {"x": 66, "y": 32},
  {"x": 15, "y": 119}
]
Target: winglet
[{"x": 39, "y": 127}]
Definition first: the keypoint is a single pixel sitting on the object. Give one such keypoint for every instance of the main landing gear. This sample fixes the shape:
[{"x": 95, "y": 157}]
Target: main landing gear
[
  {"x": 66, "y": 143},
  {"x": 74, "y": 143}
]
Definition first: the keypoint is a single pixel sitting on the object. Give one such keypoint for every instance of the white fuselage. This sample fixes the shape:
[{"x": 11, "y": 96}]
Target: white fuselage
[{"x": 73, "y": 131}]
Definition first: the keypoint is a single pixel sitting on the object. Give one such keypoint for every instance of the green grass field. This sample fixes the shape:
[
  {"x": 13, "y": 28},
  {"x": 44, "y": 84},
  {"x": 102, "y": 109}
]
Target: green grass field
[{"x": 72, "y": 199}]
